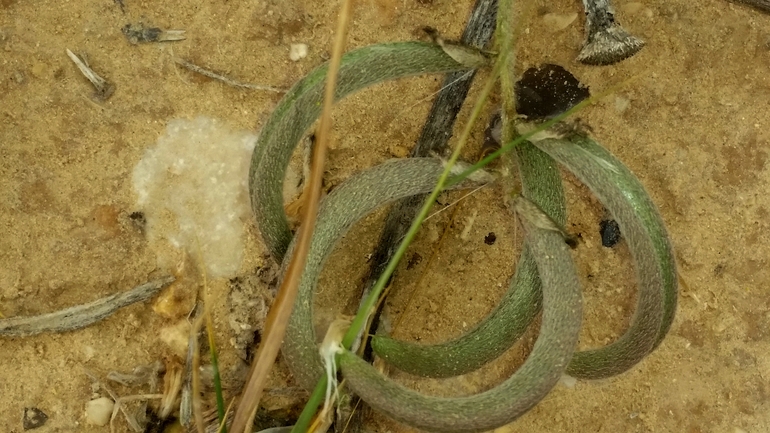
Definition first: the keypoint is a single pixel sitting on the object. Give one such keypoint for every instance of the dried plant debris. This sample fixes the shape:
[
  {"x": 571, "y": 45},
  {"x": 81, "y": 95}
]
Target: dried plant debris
[
  {"x": 547, "y": 91},
  {"x": 141, "y": 375},
  {"x": 248, "y": 303},
  {"x": 229, "y": 81},
  {"x": 461, "y": 53},
  {"x": 186, "y": 400},
  {"x": 139, "y": 33},
  {"x": 144, "y": 418},
  {"x": 80, "y": 316},
  {"x": 492, "y": 135},
  {"x": 33, "y": 418},
  {"x": 97, "y": 407},
  {"x": 104, "y": 89},
  {"x": 606, "y": 41}
]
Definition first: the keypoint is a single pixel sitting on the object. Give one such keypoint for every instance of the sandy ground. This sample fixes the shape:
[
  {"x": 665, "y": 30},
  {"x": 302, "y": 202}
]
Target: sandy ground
[{"x": 695, "y": 131}]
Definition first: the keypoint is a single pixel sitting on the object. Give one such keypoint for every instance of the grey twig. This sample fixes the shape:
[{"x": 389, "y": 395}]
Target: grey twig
[
  {"x": 80, "y": 316},
  {"x": 103, "y": 88},
  {"x": 606, "y": 41},
  {"x": 222, "y": 78}
]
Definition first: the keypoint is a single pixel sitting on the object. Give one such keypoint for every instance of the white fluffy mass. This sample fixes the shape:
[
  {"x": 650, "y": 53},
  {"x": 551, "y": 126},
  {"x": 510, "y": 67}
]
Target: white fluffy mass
[{"x": 193, "y": 183}]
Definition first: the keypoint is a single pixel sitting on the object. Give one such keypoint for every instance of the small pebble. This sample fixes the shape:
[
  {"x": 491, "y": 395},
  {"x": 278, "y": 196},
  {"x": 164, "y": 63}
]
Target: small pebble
[
  {"x": 33, "y": 418},
  {"x": 99, "y": 411},
  {"x": 558, "y": 22},
  {"x": 568, "y": 381},
  {"x": 621, "y": 104},
  {"x": 297, "y": 52}
]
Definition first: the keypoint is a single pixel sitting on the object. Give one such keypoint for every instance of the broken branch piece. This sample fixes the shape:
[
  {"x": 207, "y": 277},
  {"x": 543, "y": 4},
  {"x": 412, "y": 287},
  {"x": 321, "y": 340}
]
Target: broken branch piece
[
  {"x": 229, "y": 81},
  {"x": 103, "y": 88}
]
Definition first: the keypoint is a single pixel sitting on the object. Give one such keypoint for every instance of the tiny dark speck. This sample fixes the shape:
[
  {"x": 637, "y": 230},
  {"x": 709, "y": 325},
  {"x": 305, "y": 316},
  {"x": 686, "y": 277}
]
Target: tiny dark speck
[
  {"x": 33, "y": 418},
  {"x": 413, "y": 261},
  {"x": 490, "y": 238},
  {"x": 610, "y": 233},
  {"x": 138, "y": 219}
]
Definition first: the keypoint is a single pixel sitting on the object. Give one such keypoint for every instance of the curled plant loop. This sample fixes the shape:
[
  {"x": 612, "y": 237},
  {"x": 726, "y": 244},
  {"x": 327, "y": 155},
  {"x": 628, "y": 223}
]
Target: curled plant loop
[
  {"x": 624, "y": 196},
  {"x": 346, "y": 204},
  {"x": 545, "y": 277},
  {"x": 301, "y": 106}
]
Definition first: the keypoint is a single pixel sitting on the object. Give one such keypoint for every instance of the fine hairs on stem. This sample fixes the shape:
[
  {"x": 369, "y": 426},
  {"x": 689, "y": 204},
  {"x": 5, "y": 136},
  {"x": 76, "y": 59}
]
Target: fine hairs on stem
[{"x": 546, "y": 271}]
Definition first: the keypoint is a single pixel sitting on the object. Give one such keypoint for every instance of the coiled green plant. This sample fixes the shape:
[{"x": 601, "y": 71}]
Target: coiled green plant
[{"x": 545, "y": 278}]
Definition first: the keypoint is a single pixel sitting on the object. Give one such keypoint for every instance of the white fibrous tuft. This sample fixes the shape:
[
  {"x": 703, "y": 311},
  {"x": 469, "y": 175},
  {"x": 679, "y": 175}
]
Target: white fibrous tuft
[{"x": 193, "y": 184}]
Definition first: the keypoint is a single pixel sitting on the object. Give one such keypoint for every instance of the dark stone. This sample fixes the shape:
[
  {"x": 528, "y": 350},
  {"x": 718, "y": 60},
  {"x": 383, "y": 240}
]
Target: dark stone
[
  {"x": 33, "y": 418},
  {"x": 490, "y": 238},
  {"x": 610, "y": 232}
]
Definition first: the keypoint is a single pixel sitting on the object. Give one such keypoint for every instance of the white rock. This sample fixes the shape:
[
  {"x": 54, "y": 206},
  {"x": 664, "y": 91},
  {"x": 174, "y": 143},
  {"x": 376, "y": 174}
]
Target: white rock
[
  {"x": 99, "y": 411},
  {"x": 297, "y": 51},
  {"x": 568, "y": 381},
  {"x": 621, "y": 104}
]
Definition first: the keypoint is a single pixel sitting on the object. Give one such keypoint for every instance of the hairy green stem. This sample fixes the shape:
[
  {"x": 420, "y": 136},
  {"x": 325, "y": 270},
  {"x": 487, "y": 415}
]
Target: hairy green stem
[
  {"x": 552, "y": 351},
  {"x": 541, "y": 183},
  {"x": 349, "y": 202},
  {"x": 301, "y": 106},
  {"x": 545, "y": 272}
]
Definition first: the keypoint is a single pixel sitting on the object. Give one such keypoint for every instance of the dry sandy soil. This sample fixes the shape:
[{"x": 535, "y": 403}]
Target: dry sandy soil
[{"x": 695, "y": 132}]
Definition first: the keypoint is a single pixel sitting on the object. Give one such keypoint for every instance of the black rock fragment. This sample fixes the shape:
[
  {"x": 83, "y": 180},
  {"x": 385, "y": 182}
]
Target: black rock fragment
[
  {"x": 610, "y": 232},
  {"x": 33, "y": 418}
]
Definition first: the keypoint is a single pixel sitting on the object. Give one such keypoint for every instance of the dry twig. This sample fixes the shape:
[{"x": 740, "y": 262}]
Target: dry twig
[
  {"x": 229, "y": 81},
  {"x": 104, "y": 89},
  {"x": 278, "y": 317}
]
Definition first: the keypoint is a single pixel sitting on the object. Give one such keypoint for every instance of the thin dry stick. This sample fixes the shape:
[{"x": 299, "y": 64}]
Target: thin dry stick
[
  {"x": 278, "y": 317},
  {"x": 80, "y": 316},
  {"x": 229, "y": 81}
]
